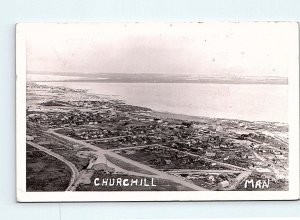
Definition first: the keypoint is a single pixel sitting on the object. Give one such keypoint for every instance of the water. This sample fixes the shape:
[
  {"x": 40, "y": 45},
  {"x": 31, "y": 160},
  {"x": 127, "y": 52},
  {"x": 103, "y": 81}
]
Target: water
[{"x": 235, "y": 101}]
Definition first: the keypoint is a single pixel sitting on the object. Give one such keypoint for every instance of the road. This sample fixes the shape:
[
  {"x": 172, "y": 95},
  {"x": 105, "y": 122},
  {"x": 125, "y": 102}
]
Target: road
[
  {"x": 240, "y": 178},
  {"x": 274, "y": 148},
  {"x": 189, "y": 171},
  {"x": 269, "y": 146},
  {"x": 102, "y": 139},
  {"x": 207, "y": 159},
  {"x": 261, "y": 158},
  {"x": 160, "y": 174},
  {"x": 253, "y": 151},
  {"x": 283, "y": 141},
  {"x": 135, "y": 147},
  {"x": 257, "y": 156},
  {"x": 184, "y": 152},
  {"x": 75, "y": 173}
]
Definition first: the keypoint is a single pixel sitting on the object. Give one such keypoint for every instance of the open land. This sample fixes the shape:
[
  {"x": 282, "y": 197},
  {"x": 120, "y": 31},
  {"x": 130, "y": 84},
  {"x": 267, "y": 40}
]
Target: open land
[
  {"x": 44, "y": 172},
  {"x": 91, "y": 136}
]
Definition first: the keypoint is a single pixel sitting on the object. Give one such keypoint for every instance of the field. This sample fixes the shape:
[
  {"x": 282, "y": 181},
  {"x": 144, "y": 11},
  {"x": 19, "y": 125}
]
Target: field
[
  {"x": 165, "y": 158},
  {"x": 44, "y": 172}
]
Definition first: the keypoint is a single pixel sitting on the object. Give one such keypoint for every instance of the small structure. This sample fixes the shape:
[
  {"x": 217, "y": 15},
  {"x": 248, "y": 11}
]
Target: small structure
[
  {"x": 29, "y": 138},
  {"x": 168, "y": 162},
  {"x": 219, "y": 128},
  {"x": 223, "y": 184},
  {"x": 104, "y": 168},
  {"x": 226, "y": 158},
  {"x": 210, "y": 154},
  {"x": 261, "y": 170},
  {"x": 211, "y": 178}
]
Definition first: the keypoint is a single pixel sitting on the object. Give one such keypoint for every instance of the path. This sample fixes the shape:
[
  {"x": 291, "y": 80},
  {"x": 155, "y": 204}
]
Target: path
[
  {"x": 160, "y": 174},
  {"x": 102, "y": 139},
  {"x": 75, "y": 173}
]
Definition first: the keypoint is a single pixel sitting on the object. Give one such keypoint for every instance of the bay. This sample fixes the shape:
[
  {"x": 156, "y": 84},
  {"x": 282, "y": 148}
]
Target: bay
[{"x": 252, "y": 102}]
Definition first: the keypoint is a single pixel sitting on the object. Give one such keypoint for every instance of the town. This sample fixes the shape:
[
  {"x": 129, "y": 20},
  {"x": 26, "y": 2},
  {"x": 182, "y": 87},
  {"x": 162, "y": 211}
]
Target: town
[{"x": 101, "y": 137}]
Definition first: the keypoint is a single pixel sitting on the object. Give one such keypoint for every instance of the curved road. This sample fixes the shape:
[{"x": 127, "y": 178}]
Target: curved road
[
  {"x": 160, "y": 174},
  {"x": 74, "y": 170}
]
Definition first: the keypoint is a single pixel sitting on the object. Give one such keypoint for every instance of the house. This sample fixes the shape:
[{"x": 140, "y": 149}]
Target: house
[
  {"x": 76, "y": 146},
  {"x": 281, "y": 157},
  {"x": 251, "y": 156},
  {"x": 44, "y": 143},
  {"x": 168, "y": 162},
  {"x": 104, "y": 168},
  {"x": 210, "y": 154},
  {"x": 247, "y": 156},
  {"x": 223, "y": 184},
  {"x": 219, "y": 128},
  {"x": 29, "y": 138},
  {"x": 223, "y": 146},
  {"x": 226, "y": 158}
]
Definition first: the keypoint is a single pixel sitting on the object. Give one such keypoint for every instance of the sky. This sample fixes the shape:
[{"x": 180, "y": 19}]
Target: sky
[{"x": 201, "y": 49}]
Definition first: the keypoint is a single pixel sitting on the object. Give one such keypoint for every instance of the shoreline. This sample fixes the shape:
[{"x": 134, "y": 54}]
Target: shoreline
[
  {"x": 178, "y": 116},
  {"x": 161, "y": 82},
  {"x": 202, "y": 143},
  {"x": 161, "y": 114}
]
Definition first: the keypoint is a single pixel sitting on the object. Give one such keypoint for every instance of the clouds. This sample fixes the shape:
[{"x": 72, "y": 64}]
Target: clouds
[{"x": 188, "y": 48}]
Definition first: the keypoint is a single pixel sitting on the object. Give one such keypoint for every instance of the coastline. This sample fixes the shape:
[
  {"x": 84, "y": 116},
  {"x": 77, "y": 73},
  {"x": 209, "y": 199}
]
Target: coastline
[
  {"x": 202, "y": 119},
  {"x": 179, "y": 136},
  {"x": 162, "y": 114}
]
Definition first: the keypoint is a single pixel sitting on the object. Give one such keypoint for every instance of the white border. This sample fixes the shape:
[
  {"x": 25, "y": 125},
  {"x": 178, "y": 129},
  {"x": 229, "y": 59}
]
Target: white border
[{"x": 23, "y": 196}]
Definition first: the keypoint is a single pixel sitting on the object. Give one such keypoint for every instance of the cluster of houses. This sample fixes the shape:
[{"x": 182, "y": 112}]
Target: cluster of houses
[
  {"x": 216, "y": 180},
  {"x": 121, "y": 125},
  {"x": 167, "y": 158}
]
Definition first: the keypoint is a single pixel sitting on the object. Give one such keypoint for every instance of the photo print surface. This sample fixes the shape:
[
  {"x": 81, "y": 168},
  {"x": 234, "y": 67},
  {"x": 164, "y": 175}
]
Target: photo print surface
[{"x": 158, "y": 107}]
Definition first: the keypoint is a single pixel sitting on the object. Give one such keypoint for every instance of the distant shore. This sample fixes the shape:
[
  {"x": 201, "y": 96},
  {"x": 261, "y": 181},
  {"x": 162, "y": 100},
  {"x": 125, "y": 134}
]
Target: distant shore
[
  {"x": 165, "y": 114},
  {"x": 202, "y": 119},
  {"x": 157, "y": 78},
  {"x": 169, "y": 115}
]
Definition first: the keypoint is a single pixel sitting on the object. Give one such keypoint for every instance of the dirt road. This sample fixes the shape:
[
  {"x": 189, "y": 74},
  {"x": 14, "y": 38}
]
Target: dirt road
[
  {"x": 74, "y": 170},
  {"x": 101, "y": 151}
]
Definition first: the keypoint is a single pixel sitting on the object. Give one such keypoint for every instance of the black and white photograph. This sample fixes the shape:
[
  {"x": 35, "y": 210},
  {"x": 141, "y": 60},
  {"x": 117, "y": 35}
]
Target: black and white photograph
[{"x": 157, "y": 111}]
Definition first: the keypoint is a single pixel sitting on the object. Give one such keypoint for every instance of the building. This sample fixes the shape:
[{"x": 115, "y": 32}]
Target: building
[
  {"x": 210, "y": 154},
  {"x": 226, "y": 158},
  {"x": 104, "y": 168},
  {"x": 223, "y": 184},
  {"x": 219, "y": 128},
  {"x": 29, "y": 138},
  {"x": 168, "y": 162}
]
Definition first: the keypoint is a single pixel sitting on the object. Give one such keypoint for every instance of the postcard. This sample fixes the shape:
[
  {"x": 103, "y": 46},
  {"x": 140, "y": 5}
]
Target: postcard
[{"x": 157, "y": 111}]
